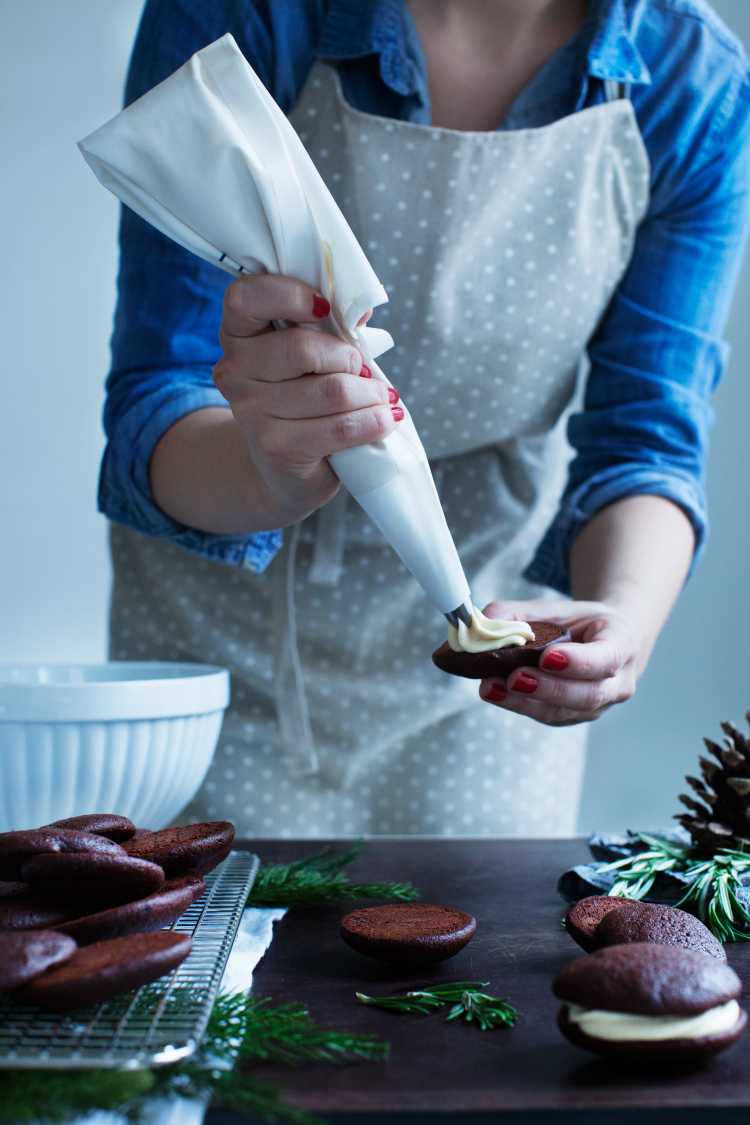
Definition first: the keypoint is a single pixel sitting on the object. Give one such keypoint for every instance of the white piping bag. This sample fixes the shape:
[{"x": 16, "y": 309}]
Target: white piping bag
[{"x": 209, "y": 159}]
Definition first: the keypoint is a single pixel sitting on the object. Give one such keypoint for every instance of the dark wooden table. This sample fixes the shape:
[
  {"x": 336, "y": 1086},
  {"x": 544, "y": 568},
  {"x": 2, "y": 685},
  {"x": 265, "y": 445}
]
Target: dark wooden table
[{"x": 456, "y": 1070}]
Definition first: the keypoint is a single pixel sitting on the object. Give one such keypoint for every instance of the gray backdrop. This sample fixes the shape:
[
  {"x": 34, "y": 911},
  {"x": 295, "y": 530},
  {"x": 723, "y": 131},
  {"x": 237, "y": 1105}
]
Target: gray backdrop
[{"x": 61, "y": 74}]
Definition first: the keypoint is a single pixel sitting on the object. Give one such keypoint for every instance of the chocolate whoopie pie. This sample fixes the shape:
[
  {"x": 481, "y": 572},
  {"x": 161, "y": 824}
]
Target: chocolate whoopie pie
[
  {"x": 143, "y": 916},
  {"x": 409, "y": 934},
  {"x": 662, "y": 925},
  {"x": 583, "y": 918},
  {"x": 24, "y": 956},
  {"x": 117, "y": 828},
  {"x": 190, "y": 847},
  {"x": 106, "y": 969},
  {"x": 501, "y": 661},
  {"x": 97, "y": 880},
  {"x": 17, "y": 847},
  {"x": 28, "y": 911},
  {"x": 650, "y": 1002}
]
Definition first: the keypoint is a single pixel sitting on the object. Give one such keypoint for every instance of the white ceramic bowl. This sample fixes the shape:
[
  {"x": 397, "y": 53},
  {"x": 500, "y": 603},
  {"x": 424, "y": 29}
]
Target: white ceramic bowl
[{"x": 129, "y": 738}]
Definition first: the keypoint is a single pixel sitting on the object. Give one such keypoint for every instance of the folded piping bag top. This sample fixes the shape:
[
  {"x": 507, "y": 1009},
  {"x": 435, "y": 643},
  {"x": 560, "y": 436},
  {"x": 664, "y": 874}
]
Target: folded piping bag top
[{"x": 209, "y": 159}]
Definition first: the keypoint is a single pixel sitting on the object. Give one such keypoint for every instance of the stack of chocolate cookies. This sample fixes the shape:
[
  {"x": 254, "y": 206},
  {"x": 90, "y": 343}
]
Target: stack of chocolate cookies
[
  {"x": 656, "y": 986},
  {"x": 84, "y": 903}
]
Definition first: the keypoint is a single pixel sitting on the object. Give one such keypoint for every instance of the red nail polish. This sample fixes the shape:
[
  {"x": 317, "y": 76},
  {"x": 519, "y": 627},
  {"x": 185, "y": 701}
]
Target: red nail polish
[
  {"x": 555, "y": 661},
  {"x": 397, "y": 413},
  {"x": 496, "y": 694},
  {"x": 364, "y": 372},
  {"x": 525, "y": 684},
  {"x": 393, "y": 395},
  {"x": 321, "y": 307}
]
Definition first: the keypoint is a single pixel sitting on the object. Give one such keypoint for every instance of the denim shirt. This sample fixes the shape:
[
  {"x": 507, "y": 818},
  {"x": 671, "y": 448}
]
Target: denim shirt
[{"x": 658, "y": 352}]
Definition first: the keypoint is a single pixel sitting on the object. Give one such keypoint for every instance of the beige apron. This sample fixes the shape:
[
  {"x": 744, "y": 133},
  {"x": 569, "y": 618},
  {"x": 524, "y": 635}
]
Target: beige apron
[{"x": 500, "y": 251}]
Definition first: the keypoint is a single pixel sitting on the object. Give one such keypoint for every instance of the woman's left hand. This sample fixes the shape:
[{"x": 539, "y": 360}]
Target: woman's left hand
[{"x": 575, "y": 682}]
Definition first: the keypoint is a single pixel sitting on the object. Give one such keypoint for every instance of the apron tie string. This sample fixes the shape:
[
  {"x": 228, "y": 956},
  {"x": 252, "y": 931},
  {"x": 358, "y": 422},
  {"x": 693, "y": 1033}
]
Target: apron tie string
[{"x": 298, "y": 747}]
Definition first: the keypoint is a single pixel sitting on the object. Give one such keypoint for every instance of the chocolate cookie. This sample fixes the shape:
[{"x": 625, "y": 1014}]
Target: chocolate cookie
[
  {"x": 141, "y": 917},
  {"x": 97, "y": 880},
  {"x": 191, "y": 847},
  {"x": 106, "y": 969},
  {"x": 583, "y": 918},
  {"x": 662, "y": 925},
  {"x": 117, "y": 828},
  {"x": 410, "y": 934},
  {"x": 501, "y": 661},
  {"x": 17, "y": 847},
  {"x": 612, "y": 996},
  {"x": 28, "y": 911},
  {"x": 23, "y": 956}
]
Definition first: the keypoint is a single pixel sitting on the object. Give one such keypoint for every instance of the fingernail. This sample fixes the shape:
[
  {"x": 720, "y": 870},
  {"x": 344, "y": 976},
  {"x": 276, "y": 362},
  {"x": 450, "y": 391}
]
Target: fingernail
[
  {"x": 555, "y": 661},
  {"x": 525, "y": 684},
  {"x": 365, "y": 372},
  {"x": 321, "y": 307},
  {"x": 393, "y": 395},
  {"x": 397, "y": 413},
  {"x": 496, "y": 694}
]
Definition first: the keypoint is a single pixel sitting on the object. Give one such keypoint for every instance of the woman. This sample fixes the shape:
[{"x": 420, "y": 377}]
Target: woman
[{"x": 555, "y": 196}]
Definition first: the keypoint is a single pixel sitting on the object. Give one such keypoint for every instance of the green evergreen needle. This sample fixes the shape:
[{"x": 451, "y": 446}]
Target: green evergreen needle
[
  {"x": 318, "y": 879},
  {"x": 488, "y": 1011},
  {"x": 713, "y": 882}
]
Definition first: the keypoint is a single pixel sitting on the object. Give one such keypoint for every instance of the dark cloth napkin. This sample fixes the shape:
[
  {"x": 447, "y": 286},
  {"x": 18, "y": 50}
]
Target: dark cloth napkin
[{"x": 668, "y": 888}]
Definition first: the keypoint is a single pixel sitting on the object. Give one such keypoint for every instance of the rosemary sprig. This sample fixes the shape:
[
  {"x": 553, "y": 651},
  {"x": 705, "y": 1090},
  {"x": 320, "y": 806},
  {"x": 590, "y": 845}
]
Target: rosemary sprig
[
  {"x": 712, "y": 894},
  {"x": 637, "y": 873},
  {"x": 713, "y": 882},
  {"x": 488, "y": 1011},
  {"x": 318, "y": 879}
]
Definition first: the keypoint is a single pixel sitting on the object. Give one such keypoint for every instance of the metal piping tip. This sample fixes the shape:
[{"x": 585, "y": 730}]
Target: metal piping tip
[{"x": 463, "y": 613}]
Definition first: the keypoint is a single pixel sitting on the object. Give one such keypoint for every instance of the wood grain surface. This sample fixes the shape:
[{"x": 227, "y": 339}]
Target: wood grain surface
[{"x": 434, "y": 1067}]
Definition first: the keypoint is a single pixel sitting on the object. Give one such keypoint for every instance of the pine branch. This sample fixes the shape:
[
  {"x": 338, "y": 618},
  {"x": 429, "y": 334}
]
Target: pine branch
[
  {"x": 318, "y": 879},
  {"x": 488, "y": 1011},
  {"x": 62, "y": 1095},
  {"x": 242, "y": 1030},
  {"x": 251, "y": 1029}
]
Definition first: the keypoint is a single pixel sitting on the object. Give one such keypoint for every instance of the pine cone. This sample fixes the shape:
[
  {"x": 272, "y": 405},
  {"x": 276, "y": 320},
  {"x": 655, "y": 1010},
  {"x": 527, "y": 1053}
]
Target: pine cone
[{"x": 720, "y": 818}]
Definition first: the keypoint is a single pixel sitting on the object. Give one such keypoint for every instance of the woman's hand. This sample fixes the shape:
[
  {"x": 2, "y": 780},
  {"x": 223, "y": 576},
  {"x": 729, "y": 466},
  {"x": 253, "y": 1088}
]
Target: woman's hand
[
  {"x": 297, "y": 395},
  {"x": 575, "y": 682},
  {"x": 627, "y": 567}
]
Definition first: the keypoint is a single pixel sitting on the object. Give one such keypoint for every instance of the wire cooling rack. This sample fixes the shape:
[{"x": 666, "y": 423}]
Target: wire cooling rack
[{"x": 157, "y": 1024}]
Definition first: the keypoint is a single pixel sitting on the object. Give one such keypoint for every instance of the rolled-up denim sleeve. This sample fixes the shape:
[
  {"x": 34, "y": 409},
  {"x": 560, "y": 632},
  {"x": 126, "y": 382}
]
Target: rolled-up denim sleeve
[
  {"x": 164, "y": 348},
  {"x": 659, "y": 353}
]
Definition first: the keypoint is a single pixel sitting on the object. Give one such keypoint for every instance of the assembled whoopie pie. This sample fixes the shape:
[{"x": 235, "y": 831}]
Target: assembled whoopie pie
[
  {"x": 411, "y": 933},
  {"x": 650, "y": 1002},
  {"x": 501, "y": 661}
]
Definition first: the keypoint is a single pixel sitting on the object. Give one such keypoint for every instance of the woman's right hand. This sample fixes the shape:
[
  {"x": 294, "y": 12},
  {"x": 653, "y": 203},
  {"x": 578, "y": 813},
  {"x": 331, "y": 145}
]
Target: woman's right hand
[{"x": 297, "y": 394}]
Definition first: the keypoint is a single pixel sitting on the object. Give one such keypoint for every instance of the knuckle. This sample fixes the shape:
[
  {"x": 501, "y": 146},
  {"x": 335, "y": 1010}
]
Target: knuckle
[
  {"x": 347, "y": 429},
  {"x": 352, "y": 361},
  {"x": 382, "y": 423},
  {"x": 222, "y": 374},
  {"x": 300, "y": 352},
  {"x": 335, "y": 389}
]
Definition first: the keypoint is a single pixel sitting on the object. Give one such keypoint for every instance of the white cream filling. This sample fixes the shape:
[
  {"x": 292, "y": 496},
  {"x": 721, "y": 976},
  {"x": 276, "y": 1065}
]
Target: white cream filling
[
  {"x": 484, "y": 634},
  {"x": 626, "y": 1026}
]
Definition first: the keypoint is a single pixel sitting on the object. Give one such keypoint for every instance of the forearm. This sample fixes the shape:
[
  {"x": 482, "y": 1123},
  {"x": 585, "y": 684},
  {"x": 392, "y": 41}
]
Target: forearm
[
  {"x": 202, "y": 475},
  {"x": 634, "y": 556}
]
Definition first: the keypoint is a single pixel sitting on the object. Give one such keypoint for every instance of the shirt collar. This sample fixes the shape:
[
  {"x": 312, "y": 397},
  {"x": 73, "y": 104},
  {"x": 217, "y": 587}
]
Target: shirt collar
[
  {"x": 369, "y": 27},
  {"x": 612, "y": 52}
]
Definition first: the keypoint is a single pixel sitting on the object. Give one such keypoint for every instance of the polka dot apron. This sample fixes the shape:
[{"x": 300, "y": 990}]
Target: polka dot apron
[{"x": 500, "y": 252}]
